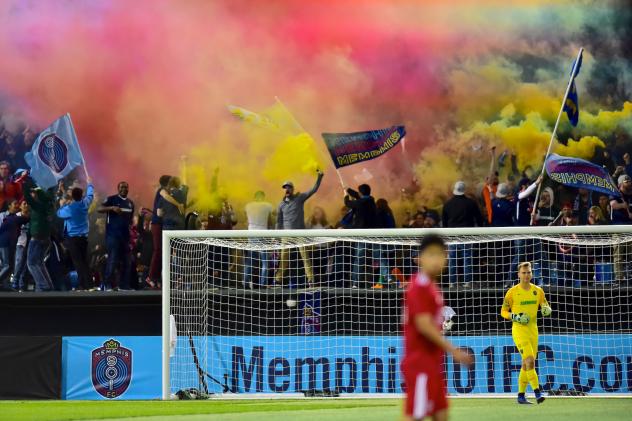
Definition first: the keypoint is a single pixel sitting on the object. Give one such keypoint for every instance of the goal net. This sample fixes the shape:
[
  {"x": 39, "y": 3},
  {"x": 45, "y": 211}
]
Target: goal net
[{"x": 319, "y": 312}]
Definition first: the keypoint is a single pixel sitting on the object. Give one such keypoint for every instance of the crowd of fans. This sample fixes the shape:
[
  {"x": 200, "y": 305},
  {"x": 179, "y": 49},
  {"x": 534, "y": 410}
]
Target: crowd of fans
[{"x": 63, "y": 241}]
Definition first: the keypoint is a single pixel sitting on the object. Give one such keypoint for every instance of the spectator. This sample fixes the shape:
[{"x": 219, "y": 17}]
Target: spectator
[
  {"x": 222, "y": 219},
  {"x": 384, "y": 215},
  {"x": 9, "y": 232},
  {"x": 40, "y": 226},
  {"x": 9, "y": 189},
  {"x": 19, "y": 267},
  {"x": 432, "y": 220},
  {"x": 318, "y": 254},
  {"x": 143, "y": 251},
  {"x": 460, "y": 212},
  {"x": 363, "y": 206},
  {"x": 364, "y": 216},
  {"x": 291, "y": 215},
  {"x": 258, "y": 213},
  {"x": 490, "y": 186},
  {"x": 346, "y": 218},
  {"x": 621, "y": 214},
  {"x": 120, "y": 211},
  {"x": 627, "y": 163},
  {"x": 596, "y": 217},
  {"x": 76, "y": 229},
  {"x": 417, "y": 221},
  {"x": 547, "y": 212},
  {"x": 502, "y": 208},
  {"x": 384, "y": 253},
  {"x": 153, "y": 278},
  {"x": 502, "y": 216},
  {"x": 606, "y": 160},
  {"x": 566, "y": 218},
  {"x": 522, "y": 218},
  {"x": 318, "y": 220},
  {"x": 291, "y": 212},
  {"x": 524, "y": 204},
  {"x": 604, "y": 205},
  {"x": 172, "y": 215},
  {"x": 583, "y": 202}
]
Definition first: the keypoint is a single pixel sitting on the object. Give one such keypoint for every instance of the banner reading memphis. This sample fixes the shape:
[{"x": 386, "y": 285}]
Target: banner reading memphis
[
  {"x": 578, "y": 173},
  {"x": 351, "y": 148},
  {"x": 55, "y": 153}
]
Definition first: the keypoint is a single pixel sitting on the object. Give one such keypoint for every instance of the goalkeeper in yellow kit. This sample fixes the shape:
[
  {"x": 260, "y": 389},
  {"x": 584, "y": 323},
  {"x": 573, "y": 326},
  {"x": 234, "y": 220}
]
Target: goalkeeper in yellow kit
[{"x": 521, "y": 307}]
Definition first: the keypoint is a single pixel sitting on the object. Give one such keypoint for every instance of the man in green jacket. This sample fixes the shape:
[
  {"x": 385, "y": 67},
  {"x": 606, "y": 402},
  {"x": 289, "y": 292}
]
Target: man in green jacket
[{"x": 42, "y": 214}]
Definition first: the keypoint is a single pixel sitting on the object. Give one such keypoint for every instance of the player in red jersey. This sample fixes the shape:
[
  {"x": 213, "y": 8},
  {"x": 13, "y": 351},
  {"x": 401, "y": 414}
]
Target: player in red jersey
[{"x": 424, "y": 344}]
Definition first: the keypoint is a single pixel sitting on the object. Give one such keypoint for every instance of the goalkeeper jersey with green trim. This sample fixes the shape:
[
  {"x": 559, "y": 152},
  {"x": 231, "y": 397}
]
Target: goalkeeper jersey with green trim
[{"x": 518, "y": 300}]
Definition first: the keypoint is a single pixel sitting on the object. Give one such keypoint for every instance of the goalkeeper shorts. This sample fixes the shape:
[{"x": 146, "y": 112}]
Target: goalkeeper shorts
[{"x": 527, "y": 344}]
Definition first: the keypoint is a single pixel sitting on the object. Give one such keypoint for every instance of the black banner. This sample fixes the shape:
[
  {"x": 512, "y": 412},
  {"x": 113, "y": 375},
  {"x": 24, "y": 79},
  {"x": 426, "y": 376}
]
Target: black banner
[{"x": 30, "y": 367}]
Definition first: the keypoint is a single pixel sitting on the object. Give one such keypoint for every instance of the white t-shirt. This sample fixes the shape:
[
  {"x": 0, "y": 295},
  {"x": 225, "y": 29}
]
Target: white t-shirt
[{"x": 258, "y": 214}]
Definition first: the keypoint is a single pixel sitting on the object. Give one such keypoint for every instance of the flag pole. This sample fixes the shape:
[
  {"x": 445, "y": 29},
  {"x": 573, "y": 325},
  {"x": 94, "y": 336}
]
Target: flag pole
[
  {"x": 553, "y": 134},
  {"x": 85, "y": 168},
  {"x": 342, "y": 183}
]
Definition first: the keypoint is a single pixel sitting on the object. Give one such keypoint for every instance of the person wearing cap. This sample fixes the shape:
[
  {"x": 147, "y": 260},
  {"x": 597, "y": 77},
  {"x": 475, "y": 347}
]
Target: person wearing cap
[
  {"x": 291, "y": 215},
  {"x": 460, "y": 212},
  {"x": 502, "y": 208},
  {"x": 621, "y": 214}
]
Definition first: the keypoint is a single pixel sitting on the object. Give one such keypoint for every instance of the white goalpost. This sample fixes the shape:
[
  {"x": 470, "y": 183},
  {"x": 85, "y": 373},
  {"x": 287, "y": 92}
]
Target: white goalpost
[{"x": 318, "y": 312}]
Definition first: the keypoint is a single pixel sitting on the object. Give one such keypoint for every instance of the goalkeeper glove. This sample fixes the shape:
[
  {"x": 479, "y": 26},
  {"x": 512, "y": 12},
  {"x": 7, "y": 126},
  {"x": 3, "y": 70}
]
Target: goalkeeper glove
[
  {"x": 546, "y": 311},
  {"x": 521, "y": 318}
]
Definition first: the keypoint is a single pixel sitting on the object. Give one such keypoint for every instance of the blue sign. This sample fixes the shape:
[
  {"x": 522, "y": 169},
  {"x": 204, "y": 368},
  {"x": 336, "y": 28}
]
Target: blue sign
[
  {"x": 348, "y": 364},
  {"x": 370, "y": 364},
  {"x": 122, "y": 367}
]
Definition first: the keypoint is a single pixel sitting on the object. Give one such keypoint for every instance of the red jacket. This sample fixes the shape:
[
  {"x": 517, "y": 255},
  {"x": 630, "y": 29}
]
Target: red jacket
[{"x": 10, "y": 190}]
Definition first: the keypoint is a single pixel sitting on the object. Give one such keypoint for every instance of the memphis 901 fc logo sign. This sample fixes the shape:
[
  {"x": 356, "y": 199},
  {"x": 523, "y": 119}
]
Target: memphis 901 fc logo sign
[
  {"x": 53, "y": 152},
  {"x": 111, "y": 369}
]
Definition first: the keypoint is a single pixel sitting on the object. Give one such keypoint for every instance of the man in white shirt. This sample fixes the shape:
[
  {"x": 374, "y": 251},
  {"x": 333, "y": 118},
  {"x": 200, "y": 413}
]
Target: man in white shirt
[{"x": 258, "y": 213}]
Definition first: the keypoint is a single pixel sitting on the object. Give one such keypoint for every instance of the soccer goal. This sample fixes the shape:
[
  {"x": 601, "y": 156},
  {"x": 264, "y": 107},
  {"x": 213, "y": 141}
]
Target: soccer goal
[{"x": 318, "y": 313}]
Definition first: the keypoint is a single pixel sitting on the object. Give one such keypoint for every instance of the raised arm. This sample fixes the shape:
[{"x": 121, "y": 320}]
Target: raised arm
[
  {"x": 492, "y": 164},
  {"x": 89, "y": 195},
  {"x": 316, "y": 185},
  {"x": 529, "y": 190}
]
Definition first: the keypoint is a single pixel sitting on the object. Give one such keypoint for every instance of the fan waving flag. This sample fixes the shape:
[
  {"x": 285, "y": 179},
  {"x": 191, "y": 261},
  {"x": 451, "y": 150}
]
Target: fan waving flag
[
  {"x": 571, "y": 105},
  {"x": 578, "y": 173},
  {"x": 351, "y": 148},
  {"x": 55, "y": 153}
]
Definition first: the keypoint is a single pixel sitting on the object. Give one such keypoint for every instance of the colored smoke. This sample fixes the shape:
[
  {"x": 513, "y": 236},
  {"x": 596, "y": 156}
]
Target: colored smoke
[{"x": 148, "y": 81}]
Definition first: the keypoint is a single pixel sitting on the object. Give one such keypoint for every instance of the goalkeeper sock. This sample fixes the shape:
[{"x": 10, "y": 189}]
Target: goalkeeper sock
[
  {"x": 533, "y": 379},
  {"x": 522, "y": 381}
]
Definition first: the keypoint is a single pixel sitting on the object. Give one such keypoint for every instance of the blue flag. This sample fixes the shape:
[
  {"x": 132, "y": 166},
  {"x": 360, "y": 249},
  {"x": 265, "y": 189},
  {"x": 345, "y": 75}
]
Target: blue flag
[
  {"x": 351, "y": 148},
  {"x": 579, "y": 173},
  {"x": 571, "y": 105},
  {"x": 55, "y": 153}
]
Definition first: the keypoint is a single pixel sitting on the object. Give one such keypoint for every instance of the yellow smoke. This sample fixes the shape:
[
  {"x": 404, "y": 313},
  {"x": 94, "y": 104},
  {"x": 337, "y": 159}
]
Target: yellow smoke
[{"x": 245, "y": 157}]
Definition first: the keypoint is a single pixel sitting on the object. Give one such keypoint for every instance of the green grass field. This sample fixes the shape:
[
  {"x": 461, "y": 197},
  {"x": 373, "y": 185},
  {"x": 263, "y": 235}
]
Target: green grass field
[{"x": 577, "y": 409}]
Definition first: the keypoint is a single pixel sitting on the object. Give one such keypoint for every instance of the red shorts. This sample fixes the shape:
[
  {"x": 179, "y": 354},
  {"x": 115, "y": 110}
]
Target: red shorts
[{"x": 425, "y": 393}]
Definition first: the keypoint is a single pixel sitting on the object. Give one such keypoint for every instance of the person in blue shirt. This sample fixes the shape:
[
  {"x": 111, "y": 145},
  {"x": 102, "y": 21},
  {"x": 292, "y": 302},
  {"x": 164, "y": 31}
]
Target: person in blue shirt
[
  {"x": 120, "y": 214},
  {"x": 74, "y": 213}
]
